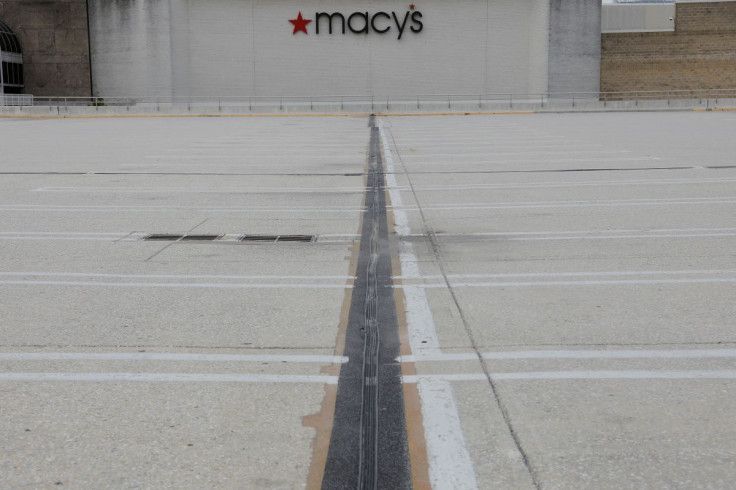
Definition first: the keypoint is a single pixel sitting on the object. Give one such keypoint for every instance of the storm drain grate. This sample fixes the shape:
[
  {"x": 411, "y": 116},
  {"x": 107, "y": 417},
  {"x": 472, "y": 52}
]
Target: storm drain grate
[
  {"x": 199, "y": 238},
  {"x": 163, "y": 237},
  {"x": 295, "y": 238},
  {"x": 258, "y": 238},
  {"x": 168, "y": 237},
  {"x": 277, "y": 238}
]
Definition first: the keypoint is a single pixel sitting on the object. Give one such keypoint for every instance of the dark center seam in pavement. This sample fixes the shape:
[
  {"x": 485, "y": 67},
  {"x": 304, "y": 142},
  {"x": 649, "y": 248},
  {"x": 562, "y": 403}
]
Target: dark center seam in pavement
[
  {"x": 368, "y": 446},
  {"x": 440, "y": 262}
]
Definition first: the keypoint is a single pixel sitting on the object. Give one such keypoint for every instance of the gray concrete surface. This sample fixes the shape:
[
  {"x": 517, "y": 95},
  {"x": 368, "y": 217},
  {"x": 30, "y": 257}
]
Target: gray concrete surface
[
  {"x": 590, "y": 260},
  {"x": 76, "y": 278},
  {"x": 587, "y": 258}
]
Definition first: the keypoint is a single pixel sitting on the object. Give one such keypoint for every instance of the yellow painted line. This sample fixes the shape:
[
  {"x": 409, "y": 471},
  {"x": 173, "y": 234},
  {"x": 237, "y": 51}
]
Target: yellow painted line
[{"x": 715, "y": 109}]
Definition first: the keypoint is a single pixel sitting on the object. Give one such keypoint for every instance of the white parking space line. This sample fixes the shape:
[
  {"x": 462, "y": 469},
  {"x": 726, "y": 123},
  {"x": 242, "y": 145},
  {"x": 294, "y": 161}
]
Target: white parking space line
[
  {"x": 65, "y": 238},
  {"x": 205, "y": 190},
  {"x": 450, "y": 466},
  {"x": 622, "y": 237},
  {"x": 209, "y": 156},
  {"x": 573, "y": 204},
  {"x": 71, "y": 233},
  {"x": 611, "y": 234},
  {"x": 713, "y": 280},
  {"x": 420, "y": 324},
  {"x": 176, "y": 285},
  {"x": 589, "y": 183},
  {"x": 50, "y": 235},
  {"x": 451, "y": 161},
  {"x": 158, "y": 356},
  {"x": 577, "y": 232},
  {"x": 575, "y": 274},
  {"x": 449, "y": 462},
  {"x": 491, "y": 151},
  {"x": 576, "y": 354},
  {"x": 165, "y": 276},
  {"x": 569, "y": 375},
  {"x": 169, "y": 377},
  {"x": 222, "y": 209}
]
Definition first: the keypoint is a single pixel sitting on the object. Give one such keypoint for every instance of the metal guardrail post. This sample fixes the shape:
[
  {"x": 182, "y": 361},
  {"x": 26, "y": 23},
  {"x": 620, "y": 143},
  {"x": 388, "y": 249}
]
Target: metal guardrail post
[
  {"x": 342, "y": 102},
  {"x": 449, "y": 102},
  {"x": 281, "y": 103},
  {"x": 371, "y": 103},
  {"x": 479, "y": 102},
  {"x": 511, "y": 101},
  {"x": 311, "y": 104},
  {"x": 219, "y": 104}
]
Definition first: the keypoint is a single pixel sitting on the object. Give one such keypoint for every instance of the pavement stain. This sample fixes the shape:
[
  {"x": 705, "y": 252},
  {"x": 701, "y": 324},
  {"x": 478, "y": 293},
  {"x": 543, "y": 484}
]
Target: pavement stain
[{"x": 321, "y": 422}]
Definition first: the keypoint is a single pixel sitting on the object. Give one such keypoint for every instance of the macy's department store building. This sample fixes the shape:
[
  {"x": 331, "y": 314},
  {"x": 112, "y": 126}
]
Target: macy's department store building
[{"x": 113, "y": 48}]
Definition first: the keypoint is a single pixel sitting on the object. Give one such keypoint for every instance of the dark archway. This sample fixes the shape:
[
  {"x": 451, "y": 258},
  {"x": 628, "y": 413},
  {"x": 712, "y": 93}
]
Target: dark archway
[{"x": 11, "y": 59}]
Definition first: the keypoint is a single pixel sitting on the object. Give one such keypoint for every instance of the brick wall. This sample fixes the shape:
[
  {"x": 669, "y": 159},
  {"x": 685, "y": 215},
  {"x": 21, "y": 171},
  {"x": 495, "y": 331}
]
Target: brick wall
[
  {"x": 54, "y": 39},
  {"x": 700, "y": 54}
]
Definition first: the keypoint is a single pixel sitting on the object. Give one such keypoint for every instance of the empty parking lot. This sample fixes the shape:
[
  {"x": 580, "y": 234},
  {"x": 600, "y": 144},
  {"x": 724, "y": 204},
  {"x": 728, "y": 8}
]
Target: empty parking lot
[{"x": 502, "y": 301}]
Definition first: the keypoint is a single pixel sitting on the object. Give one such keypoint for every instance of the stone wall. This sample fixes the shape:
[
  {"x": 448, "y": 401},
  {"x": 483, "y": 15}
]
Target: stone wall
[
  {"x": 699, "y": 54},
  {"x": 55, "y": 42}
]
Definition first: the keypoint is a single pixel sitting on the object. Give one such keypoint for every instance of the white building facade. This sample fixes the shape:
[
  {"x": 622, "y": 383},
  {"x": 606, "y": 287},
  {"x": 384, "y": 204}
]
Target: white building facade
[{"x": 375, "y": 47}]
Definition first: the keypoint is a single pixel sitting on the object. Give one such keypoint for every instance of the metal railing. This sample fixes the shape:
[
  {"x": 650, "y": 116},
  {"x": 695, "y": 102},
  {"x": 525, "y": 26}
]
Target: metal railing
[
  {"x": 16, "y": 100},
  {"x": 505, "y": 101}
]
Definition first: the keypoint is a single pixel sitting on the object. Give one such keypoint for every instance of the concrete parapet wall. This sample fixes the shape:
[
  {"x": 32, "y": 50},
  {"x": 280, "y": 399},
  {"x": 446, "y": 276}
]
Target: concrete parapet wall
[{"x": 365, "y": 107}]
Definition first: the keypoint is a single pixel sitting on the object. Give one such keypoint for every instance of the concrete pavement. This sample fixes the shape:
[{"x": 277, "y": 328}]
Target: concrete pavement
[{"x": 587, "y": 259}]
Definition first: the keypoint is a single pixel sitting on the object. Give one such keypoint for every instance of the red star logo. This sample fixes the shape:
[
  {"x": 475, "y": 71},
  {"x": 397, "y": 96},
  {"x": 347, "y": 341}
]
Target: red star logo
[
  {"x": 411, "y": 7},
  {"x": 300, "y": 24}
]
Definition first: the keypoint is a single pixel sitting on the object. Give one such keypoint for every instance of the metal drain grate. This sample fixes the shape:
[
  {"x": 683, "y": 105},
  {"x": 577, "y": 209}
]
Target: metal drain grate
[
  {"x": 199, "y": 238},
  {"x": 229, "y": 238},
  {"x": 277, "y": 238},
  {"x": 295, "y": 238},
  {"x": 163, "y": 237},
  {"x": 258, "y": 238}
]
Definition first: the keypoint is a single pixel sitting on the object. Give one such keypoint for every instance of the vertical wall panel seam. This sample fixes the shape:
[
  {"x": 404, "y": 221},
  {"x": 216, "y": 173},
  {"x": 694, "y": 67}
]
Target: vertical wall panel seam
[{"x": 89, "y": 52}]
